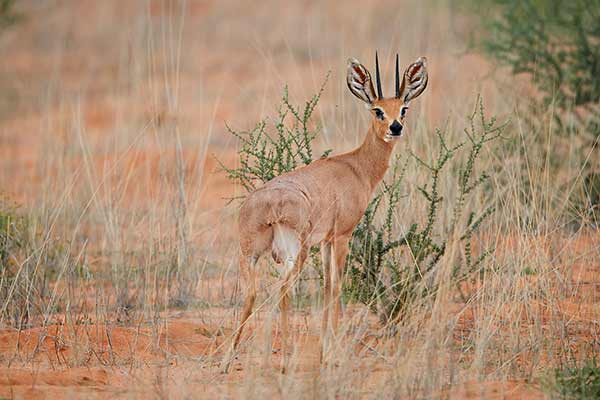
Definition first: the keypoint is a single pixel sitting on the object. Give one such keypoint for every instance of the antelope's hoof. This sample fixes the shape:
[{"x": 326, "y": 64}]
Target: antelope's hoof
[
  {"x": 225, "y": 367},
  {"x": 226, "y": 364}
]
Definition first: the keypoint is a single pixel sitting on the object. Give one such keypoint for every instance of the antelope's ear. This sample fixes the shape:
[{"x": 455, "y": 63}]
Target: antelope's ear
[
  {"x": 414, "y": 81},
  {"x": 359, "y": 82}
]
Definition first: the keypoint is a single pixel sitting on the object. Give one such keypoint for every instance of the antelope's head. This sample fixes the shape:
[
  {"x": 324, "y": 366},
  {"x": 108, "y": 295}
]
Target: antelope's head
[{"x": 388, "y": 113}]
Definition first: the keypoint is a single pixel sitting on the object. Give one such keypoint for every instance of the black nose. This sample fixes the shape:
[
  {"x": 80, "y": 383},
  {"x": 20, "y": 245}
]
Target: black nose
[{"x": 395, "y": 128}]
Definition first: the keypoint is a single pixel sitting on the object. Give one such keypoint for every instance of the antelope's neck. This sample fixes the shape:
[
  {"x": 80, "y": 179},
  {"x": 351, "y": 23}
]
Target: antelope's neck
[{"x": 373, "y": 157}]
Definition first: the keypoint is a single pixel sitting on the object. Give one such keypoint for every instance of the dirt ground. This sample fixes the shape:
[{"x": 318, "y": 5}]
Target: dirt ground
[
  {"x": 91, "y": 361},
  {"x": 179, "y": 356}
]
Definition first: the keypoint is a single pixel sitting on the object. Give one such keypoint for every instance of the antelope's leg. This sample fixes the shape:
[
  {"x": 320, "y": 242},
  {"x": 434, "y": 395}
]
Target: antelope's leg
[
  {"x": 340, "y": 249},
  {"x": 248, "y": 270},
  {"x": 293, "y": 270},
  {"x": 326, "y": 257}
]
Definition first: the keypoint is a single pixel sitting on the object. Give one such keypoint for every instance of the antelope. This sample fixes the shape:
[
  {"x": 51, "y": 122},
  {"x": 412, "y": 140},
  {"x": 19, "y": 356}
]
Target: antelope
[{"x": 321, "y": 203}]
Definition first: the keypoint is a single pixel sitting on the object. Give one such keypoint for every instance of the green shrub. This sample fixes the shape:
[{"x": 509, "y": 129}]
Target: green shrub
[
  {"x": 274, "y": 147},
  {"x": 554, "y": 41},
  {"x": 575, "y": 382},
  {"x": 389, "y": 280},
  {"x": 11, "y": 231},
  {"x": 557, "y": 44},
  {"x": 7, "y": 16},
  {"x": 28, "y": 259},
  {"x": 13, "y": 240}
]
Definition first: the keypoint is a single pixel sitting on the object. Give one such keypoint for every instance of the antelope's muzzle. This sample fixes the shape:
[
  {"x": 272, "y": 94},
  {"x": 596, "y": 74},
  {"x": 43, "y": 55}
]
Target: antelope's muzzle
[{"x": 396, "y": 128}]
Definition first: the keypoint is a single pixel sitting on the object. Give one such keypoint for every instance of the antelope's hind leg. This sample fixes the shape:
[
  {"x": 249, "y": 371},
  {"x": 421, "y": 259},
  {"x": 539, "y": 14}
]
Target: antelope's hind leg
[
  {"x": 292, "y": 249},
  {"x": 293, "y": 268},
  {"x": 248, "y": 270}
]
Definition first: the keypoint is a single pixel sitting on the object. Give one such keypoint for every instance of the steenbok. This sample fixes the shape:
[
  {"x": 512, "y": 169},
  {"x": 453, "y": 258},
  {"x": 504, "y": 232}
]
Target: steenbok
[{"x": 321, "y": 203}]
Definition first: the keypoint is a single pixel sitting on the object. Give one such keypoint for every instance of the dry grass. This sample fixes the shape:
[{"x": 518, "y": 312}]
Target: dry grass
[{"x": 110, "y": 115}]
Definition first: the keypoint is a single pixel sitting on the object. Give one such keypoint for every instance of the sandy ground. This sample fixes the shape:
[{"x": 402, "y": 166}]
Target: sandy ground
[
  {"x": 179, "y": 356},
  {"x": 93, "y": 361}
]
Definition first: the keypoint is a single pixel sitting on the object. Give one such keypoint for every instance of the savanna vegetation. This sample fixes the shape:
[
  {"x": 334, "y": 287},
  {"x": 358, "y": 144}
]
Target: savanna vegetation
[{"x": 128, "y": 138}]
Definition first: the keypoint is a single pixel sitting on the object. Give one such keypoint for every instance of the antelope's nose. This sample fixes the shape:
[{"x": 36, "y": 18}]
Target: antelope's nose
[{"x": 396, "y": 128}]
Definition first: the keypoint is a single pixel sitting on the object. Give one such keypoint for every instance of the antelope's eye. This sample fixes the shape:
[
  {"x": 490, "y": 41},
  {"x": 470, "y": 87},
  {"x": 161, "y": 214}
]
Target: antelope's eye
[
  {"x": 403, "y": 111},
  {"x": 378, "y": 113}
]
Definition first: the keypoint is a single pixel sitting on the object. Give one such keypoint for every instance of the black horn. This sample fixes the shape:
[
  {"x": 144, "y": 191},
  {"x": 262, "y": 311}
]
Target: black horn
[
  {"x": 397, "y": 78},
  {"x": 378, "y": 77}
]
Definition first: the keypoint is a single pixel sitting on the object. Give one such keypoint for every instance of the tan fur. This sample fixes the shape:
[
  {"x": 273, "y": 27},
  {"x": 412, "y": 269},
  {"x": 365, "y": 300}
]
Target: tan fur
[{"x": 320, "y": 203}]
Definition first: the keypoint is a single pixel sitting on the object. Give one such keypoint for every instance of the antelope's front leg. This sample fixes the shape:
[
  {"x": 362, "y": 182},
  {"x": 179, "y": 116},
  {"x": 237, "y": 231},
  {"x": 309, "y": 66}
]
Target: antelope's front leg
[
  {"x": 326, "y": 258},
  {"x": 340, "y": 249}
]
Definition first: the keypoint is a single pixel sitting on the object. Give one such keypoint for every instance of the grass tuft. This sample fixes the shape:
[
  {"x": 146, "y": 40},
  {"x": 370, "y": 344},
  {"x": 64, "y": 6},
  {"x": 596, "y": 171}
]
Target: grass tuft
[{"x": 577, "y": 382}]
